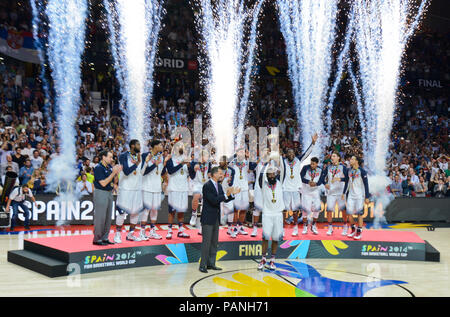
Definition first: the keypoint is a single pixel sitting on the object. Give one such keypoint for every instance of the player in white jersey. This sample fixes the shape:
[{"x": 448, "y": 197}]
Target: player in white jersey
[
  {"x": 334, "y": 184},
  {"x": 312, "y": 178},
  {"x": 199, "y": 174},
  {"x": 292, "y": 182},
  {"x": 152, "y": 170},
  {"x": 241, "y": 167},
  {"x": 227, "y": 209},
  {"x": 177, "y": 188},
  {"x": 272, "y": 213},
  {"x": 257, "y": 198},
  {"x": 357, "y": 188},
  {"x": 129, "y": 197}
]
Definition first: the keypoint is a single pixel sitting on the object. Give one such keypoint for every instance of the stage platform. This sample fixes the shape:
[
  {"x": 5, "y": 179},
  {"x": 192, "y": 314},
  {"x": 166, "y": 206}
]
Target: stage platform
[{"x": 65, "y": 255}]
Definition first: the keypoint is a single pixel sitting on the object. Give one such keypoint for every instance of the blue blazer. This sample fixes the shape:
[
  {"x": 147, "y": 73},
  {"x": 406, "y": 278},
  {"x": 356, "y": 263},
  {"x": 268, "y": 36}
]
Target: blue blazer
[{"x": 211, "y": 203}]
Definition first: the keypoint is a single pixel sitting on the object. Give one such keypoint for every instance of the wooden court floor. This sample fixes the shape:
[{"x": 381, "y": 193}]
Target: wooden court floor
[{"x": 323, "y": 277}]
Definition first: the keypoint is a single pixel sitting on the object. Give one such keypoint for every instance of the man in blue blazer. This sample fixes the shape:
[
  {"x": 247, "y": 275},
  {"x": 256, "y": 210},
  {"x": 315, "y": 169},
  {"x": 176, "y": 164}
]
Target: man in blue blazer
[{"x": 213, "y": 195}]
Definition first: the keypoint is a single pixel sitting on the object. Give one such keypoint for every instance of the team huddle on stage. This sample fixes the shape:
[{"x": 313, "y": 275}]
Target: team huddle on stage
[{"x": 281, "y": 187}]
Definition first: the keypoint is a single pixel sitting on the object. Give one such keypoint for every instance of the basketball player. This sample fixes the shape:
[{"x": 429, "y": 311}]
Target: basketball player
[
  {"x": 272, "y": 213},
  {"x": 241, "y": 167},
  {"x": 312, "y": 178},
  {"x": 199, "y": 174},
  {"x": 292, "y": 182},
  {"x": 335, "y": 183},
  {"x": 152, "y": 171},
  {"x": 357, "y": 187},
  {"x": 178, "y": 189},
  {"x": 129, "y": 197},
  {"x": 257, "y": 200},
  {"x": 227, "y": 208}
]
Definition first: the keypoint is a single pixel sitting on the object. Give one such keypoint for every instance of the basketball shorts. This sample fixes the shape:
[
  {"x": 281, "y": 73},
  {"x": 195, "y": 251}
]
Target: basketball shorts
[
  {"x": 152, "y": 201},
  {"x": 241, "y": 201},
  {"x": 272, "y": 226},
  {"x": 178, "y": 201},
  {"x": 355, "y": 206},
  {"x": 310, "y": 203},
  {"x": 292, "y": 200},
  {"x": 332, "y": 200},
  {"x": 129, "y": 201}
]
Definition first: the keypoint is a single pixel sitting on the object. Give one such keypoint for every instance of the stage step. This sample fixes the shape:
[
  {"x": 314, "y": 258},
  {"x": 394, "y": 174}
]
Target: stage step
[
  {"x": 38, "y": 263},
  {"x": 431, "y": 254}
]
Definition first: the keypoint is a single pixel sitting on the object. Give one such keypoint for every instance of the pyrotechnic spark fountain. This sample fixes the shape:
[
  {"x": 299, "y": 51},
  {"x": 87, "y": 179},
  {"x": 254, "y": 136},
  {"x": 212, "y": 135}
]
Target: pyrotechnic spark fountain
[
  {"x": 243, "y": 104},
  {"x": 309, "y": 30},
  {"x": 222, "y": 27},
  {"x": 66, "y": 45},
  {"x": 382, "y": 29},
  {"x": 37, "y": 8},
  {"x": 134, "y": 30}
]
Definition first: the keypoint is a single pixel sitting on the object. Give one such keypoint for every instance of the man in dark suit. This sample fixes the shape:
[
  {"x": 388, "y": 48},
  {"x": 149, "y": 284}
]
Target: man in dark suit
[{"x": 213, "y": 195}]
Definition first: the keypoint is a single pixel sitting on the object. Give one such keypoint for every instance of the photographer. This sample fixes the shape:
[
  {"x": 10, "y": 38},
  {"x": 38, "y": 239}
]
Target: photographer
[{"x": 16, "y": 200}]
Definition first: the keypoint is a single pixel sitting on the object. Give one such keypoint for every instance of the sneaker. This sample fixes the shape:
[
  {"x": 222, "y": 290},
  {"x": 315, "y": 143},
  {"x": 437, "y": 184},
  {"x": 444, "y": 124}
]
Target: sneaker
[
  {"x": 182, "y": 234},
  {"x": 143, "y": 237},
  {"x": 117, "y": 238},
  {"x": 357, "y": 236},
  {"x": 193, "y": 220},
  {"x": 351, "y": 234},
  {"x": 314, "y": 229},
  {"x": 305, "y": 229},
  {"x": 254, "y": 232},
  {"x": 229, "y": 230},
  {"x": 234, "y": 233},
  {"x": 261, "y": 264},
  {"x": 131, "y": 237},
  {"x": 272, "y": 265},
  {"x": 344, "y": 231},
  {"x": 330, "y": 231},
  {"x": 242, "y": 231},
  {"x": 169, "y": 235},
  {"x": 154, "y": 235},
  {"x": 295, "y": 231}
]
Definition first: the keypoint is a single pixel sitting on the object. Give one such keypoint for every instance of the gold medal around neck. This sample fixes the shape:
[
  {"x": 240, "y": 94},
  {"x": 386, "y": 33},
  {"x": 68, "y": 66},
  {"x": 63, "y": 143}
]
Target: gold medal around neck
[
  {"x": 274, "y": 201},
  {"x": 292, "y": 176},
  {"x": 182, "y": 173},
  {"x": 241, "y": 177}
]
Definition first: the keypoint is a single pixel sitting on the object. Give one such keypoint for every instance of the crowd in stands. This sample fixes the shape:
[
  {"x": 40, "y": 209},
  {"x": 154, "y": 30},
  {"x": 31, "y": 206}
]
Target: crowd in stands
[{"x": 419, "y": 151}]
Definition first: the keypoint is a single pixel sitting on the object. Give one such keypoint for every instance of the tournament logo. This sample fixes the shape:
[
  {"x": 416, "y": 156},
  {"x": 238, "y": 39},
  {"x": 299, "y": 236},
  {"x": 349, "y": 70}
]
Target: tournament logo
[{"x": 290, "y": 279}]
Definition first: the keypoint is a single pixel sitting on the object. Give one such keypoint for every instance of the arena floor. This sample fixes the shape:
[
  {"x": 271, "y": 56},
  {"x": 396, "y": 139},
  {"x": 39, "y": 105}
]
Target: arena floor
[{"x": 327, "y": 278}]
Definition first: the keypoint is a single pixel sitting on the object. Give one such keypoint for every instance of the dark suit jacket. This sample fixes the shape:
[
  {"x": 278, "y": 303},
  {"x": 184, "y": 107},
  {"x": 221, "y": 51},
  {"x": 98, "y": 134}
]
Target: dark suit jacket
[{"x": 211, "y": 203}]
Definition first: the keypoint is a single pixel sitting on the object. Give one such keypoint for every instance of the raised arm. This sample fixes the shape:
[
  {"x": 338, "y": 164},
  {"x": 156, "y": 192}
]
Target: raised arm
[{"x": 304, "y": 155}]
